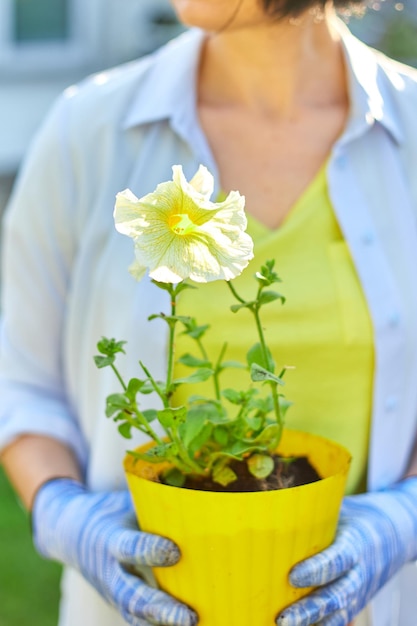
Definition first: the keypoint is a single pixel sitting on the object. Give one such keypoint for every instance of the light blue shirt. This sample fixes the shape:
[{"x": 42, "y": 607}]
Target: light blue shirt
[{"x": 66, "y": 283}]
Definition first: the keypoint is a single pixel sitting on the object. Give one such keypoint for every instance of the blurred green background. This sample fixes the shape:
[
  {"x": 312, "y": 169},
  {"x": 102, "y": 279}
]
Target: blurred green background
[{"x": 29, "y": 586}]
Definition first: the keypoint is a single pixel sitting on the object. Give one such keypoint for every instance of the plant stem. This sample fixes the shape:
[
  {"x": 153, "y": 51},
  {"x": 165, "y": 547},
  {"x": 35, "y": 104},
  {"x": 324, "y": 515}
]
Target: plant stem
[
  {"x": 145, "y": 427},
  {"x": 155, "y": 385},
  {"x": 143, "y": 422},
  {"x": 171, "y": 340},
  {"x": 272, "y": 384},
  {"x": 116, "y": 371},
  {"x": 234, "y": 292},
  {"x": 183, "y": 454},
  {"x": 202, "y": 350},
  {"x": 215, "y": 376},
  {"x": 255, "y": 310},
  {"x": 217, "y": 371}
]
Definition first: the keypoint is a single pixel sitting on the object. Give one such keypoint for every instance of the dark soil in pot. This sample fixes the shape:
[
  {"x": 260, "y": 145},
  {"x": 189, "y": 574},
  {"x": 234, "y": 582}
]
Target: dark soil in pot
[{"x": 288, "y": 472}]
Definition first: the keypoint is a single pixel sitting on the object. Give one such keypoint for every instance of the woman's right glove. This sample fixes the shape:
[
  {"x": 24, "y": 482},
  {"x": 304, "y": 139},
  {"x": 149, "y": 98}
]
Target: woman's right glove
[
  {"x": 96, "y": 533},
  {"x": 376, "y": 536}
]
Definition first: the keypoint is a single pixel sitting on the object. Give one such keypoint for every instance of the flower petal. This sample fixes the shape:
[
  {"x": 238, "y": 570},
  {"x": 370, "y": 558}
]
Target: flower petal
[
  {"x": 178, "y": 233},
  {"x": 203, "y": 182},
  {"x": 138, "y": 271},
  {"x": 200, "y": 186}
]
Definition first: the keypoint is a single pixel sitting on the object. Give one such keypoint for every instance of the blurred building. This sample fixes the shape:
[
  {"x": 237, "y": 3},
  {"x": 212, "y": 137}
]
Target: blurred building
[{"x": 45, "y": 45}]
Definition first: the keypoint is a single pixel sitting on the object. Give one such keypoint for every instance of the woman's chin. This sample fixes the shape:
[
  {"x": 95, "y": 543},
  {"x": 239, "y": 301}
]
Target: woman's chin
[{"x": 214, "y": 15}]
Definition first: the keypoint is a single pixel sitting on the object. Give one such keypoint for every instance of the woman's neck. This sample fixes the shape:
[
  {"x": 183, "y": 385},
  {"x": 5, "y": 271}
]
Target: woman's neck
[{"x": 276, "y": 68}]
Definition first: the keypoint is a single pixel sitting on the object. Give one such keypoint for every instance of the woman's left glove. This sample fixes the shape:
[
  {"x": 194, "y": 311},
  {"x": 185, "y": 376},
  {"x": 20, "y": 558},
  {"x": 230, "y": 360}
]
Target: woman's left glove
[
  {"x": 376, "y": 536},
  {"x": 96, "y": 533}
]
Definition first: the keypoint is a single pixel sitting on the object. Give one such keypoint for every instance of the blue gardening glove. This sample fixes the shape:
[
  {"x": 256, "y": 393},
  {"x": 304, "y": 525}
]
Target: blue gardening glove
[
  {"x": 96, "y": 533},
  {"x": 377, "y": 534}
]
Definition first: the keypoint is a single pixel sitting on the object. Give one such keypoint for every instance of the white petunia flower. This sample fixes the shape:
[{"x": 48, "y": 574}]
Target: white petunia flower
[{"x": 179, "y": 233}]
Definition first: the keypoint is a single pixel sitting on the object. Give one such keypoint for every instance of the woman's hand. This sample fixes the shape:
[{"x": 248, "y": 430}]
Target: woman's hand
[
  {"x": 377, "y": 534},
  {"x": 97, "y": 534}
]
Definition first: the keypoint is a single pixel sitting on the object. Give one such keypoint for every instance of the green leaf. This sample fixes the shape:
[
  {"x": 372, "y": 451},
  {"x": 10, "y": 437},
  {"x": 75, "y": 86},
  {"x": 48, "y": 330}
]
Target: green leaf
[
  {"x": 103, "y": 361},
  {"x": 173, "y": 477},
  {"x": 245, "y": 305},
  {"x": 198, "y": 332},
  {"x": 184, "y": 319},
  {"x": 146, "y": 388},
  {"x": 224, "y": 476},
  {"x": 201, "y": 439},
  {"x": 267, "y": 276},
  {"x": 134, "y": 385},
  {"x": 255, "y": 422},
  {"x": 269, "y": 433},
  {"x": 156, "y": 316},
  {"x": 240, "y": 398},
  {"x": 239, "y": 448},
  {"x": 198, "y": 376},
  {"x": 263, "y": 405},
  {"x": 255, "y": 355},
  {"x": 171, "y": 320},
  {"x": 170, "y": 287},
  {"x": 191, "y": 361},
  {"x": 110, "y": 347},
  {"x": 270, "y": 296},
  {"x": 157, "y": 454},
  {"x": 172, "y": 417},
  {"x": 221, "y": 436},
  {"x": 260, "y": 374},
  {"x": 120, "y": 417},
  {"x": 182, "y": 286},
  {"x": 192, "y": 329},
  {"x": 193, "y": 427},
  {"x": 165, "y": 286},
  {"x": 233, "y": 396},
  {"x": 150, "y": 415},
  {"x": 284, "y": 404},
  {"x": 260, "y": 465},
  {"x": 197, "y": 398},
  {"x": 212, "y": 410},
  {"x": 125, "y": 430},
  {"x": 234, "y": 364},
  {"x": 221, "y": 456},
  {"x": 116, "y": 402}
]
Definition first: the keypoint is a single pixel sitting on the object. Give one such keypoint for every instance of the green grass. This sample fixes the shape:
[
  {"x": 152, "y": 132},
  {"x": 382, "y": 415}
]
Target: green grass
[{"x": 29, "y": 585}]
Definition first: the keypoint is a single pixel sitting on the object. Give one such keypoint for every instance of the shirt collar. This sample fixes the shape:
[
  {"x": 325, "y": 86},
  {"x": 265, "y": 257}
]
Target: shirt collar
[
  {"x": 166, "y": 91},
  {"x": 369, "y": 89}
]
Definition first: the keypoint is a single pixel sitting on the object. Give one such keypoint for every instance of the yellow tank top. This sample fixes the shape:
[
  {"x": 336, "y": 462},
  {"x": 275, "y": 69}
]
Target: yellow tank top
[{"x": 323, "y": 329}]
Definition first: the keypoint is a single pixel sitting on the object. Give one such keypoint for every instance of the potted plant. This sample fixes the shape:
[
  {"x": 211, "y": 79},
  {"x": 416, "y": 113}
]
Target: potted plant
[{"x": 243, "y": 497}]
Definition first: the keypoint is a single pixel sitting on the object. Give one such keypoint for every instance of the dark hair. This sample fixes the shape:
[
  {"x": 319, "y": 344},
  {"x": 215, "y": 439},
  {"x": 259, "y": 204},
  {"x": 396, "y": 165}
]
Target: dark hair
[{"x": 282, "y": 8}]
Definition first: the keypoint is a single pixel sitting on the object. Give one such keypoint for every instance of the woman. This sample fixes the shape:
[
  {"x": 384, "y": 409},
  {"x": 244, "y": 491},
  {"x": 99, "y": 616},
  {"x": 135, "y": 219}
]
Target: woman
[{"x": 318, "y": 132}]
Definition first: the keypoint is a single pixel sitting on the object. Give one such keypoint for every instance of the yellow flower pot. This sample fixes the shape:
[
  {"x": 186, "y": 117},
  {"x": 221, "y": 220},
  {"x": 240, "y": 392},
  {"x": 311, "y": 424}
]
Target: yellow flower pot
[{"x": 238, "y": 548}]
